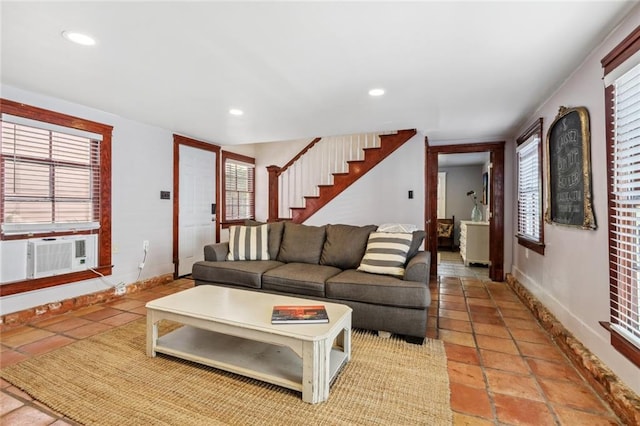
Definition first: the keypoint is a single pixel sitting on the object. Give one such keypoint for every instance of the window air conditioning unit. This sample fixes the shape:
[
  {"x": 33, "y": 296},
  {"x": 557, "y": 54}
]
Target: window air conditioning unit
[{"x": 55, "y": 256}]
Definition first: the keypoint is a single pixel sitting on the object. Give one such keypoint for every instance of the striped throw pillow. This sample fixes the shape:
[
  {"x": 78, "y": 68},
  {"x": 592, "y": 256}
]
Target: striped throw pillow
[
  {"x": 248, "y": 243},
  {"x": 386, "y": 253}
]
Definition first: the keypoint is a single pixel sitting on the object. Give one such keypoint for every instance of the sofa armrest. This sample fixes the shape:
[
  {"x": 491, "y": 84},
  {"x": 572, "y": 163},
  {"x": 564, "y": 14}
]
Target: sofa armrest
[
  {"x": 216, "y": 252},
  {"x": 418, "y": 267}
]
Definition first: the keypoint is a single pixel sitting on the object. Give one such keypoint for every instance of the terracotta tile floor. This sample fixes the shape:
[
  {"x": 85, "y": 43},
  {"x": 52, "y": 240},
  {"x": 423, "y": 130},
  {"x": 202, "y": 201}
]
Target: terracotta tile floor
[{"x": 503, "y": 368}]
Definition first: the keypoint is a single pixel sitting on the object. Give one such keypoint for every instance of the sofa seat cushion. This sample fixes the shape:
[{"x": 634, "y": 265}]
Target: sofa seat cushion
[
  {"x": 243, "y": 273},
  {"x": 378, "y": 289},
  {"x": 299, "y": 278}
]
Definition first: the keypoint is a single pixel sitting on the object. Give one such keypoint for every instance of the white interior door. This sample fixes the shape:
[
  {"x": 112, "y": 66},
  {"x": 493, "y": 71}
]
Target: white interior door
[
  {"x": 442, "y": 195},
  {"x": 196, "y": 221}
]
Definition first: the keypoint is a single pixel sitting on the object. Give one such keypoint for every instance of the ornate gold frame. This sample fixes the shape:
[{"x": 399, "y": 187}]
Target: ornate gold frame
[{"x": 565, "y": 138}]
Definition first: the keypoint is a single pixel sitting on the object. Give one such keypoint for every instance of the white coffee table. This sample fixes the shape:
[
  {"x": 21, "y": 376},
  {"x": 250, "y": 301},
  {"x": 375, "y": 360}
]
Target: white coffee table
[{"x": 231, "y": 329}]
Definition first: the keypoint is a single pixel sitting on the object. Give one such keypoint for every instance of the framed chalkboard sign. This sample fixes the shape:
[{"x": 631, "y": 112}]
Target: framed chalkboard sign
[{"x": 569, "y": 170}]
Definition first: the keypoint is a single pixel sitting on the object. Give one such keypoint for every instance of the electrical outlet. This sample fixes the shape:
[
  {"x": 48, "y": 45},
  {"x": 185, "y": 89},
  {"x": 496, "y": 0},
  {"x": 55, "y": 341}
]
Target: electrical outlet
[
  {"x": 145, "y": 245},
  {"x": 120, "y": 289},
  {"x": 141, "y": 265}
]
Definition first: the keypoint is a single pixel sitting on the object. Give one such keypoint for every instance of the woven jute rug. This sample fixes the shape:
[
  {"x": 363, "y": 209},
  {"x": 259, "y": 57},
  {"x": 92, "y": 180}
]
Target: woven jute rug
[{"x": 109, "y": 380}]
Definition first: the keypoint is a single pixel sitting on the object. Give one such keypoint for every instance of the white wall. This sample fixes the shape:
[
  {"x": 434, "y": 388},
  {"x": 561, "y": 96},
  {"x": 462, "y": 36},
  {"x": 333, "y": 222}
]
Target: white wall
[
  {"x": 572, "y": 279},
  {"x": 142, "y": 161}
]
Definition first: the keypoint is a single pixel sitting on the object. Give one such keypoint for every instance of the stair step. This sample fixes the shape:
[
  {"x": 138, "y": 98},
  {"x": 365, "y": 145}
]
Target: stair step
[{"x": 357, "y": 168}]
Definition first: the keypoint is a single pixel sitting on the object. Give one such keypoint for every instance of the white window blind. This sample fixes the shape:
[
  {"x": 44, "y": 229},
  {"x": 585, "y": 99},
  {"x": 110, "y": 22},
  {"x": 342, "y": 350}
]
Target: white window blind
[
  {"x": 50, "y": 177},
  {"x": 625, "y": 207},
  {"x": 529, "y": 189},
  {"x": 239, "y": 190}
]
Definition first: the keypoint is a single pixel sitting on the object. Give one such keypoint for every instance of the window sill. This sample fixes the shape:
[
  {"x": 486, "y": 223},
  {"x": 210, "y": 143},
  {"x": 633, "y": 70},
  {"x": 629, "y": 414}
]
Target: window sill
[
  {"x": 622, "y": 345},
  {"x": 536, "y": 246},
  {"x": 45, "y": 282},
  {"x": 229, "y": 223}
]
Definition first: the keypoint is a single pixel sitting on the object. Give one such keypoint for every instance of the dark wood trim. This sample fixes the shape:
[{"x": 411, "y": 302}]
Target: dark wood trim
[
  {"x": 300, "y": 154},
  {"x": 274, "y": 193},
  {"x": 622, "y": 345},
  {"x": 623, "y": 51},
  {"x": 104, "y": 233},
  {"x": 183, "y": 140},
  {"x": 536, "y": 127},
  {"x": 531, "y": 245},
  {"x": 40, "y": 114},
  {"x": 46, "y": 282},
  {"x": 228, "y": 155},
  {"x": 496, "y": 223}
]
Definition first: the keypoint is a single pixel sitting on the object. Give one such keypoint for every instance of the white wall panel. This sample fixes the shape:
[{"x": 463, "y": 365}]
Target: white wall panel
[{"x": 572, "y": 279}]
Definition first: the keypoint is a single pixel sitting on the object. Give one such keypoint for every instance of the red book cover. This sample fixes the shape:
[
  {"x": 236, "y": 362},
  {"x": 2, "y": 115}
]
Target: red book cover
[{"x": 303, "y": 314}]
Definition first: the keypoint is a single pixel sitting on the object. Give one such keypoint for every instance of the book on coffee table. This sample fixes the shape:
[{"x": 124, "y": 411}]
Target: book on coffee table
[{"x": 302, "y": 314}]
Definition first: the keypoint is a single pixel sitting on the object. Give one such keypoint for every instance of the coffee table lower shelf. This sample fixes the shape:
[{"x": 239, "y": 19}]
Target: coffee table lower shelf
[{"x": 270, "y": 363}]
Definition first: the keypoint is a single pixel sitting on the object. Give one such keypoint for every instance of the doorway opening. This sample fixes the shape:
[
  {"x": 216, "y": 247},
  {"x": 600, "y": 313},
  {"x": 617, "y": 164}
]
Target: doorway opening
[{"x": 494, "y": 213}]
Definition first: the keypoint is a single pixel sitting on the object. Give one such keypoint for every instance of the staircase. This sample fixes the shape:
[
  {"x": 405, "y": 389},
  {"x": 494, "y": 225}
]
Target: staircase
[{"x": 335, "y": 166}]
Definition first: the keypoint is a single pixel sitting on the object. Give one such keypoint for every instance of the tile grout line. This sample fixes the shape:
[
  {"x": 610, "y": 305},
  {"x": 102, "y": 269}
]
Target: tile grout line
[{"x": 525, "y": 359}]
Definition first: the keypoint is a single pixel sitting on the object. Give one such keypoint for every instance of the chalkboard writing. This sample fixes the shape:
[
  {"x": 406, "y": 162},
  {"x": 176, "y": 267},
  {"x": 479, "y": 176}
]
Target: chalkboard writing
[{"x": 569, "y": 170}]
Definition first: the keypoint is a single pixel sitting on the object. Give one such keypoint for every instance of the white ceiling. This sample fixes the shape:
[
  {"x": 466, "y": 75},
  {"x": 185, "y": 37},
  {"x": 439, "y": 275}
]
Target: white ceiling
[{"x": 453, "y": 70}]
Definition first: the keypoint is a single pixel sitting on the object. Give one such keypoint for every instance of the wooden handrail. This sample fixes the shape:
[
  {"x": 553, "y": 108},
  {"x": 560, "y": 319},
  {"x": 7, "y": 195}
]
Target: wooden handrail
[
  {"x": 341, "y": 178},
  {"x": 297, "y": 157}
]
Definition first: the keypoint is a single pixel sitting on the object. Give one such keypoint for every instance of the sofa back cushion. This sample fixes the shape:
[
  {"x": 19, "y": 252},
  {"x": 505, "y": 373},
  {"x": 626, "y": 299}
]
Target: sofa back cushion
[
  {"x": 301, "y": 243},
  {"x": 386, "y": 253},
  {"x": 275, "y": 235},
  {"x": 345, "y": 245},
  {"x": 416, "y": 241},
  {"x": 248, "y": 243}
]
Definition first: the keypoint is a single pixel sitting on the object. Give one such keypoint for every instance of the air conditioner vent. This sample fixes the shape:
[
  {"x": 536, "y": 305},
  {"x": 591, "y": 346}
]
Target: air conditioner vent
[
  {"x": 48, "y": 257},
  {"x": 81, "y": 248}
]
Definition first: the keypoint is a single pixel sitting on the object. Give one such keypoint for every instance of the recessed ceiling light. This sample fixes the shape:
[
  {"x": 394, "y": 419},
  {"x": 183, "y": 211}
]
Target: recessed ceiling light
[
  {"x": 235, "y": 111},
  {"x": 376, "y": 92},
  {"x": 79, "y": 38}
]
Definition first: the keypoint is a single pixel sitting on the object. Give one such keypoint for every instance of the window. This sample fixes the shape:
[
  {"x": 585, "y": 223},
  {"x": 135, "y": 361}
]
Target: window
[
  {"x": 51, "y": 178},
  {"x": 55, "y": 179},
  {"x": 622, "y": 94},
  {"x": 529, "y": 163},
  {"x": 238, "y": 188}
]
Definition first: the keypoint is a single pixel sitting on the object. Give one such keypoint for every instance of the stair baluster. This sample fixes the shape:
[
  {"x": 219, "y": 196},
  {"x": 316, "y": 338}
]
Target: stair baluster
[{"x": 308, "y": 181}]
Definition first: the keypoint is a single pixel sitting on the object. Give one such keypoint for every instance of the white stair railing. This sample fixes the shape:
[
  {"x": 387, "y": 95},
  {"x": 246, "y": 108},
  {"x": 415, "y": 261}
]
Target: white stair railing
[{"x": 317, "y": 166}]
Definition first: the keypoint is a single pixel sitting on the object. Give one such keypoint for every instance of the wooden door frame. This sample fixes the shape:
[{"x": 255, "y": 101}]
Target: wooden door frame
[
  {"x": 183, "y": 140},
  {"x": 496, "y": 222}
]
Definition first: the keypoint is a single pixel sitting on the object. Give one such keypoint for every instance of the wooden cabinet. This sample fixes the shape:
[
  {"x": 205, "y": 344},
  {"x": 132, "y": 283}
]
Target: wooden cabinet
[{"x": 474, "y": 242}]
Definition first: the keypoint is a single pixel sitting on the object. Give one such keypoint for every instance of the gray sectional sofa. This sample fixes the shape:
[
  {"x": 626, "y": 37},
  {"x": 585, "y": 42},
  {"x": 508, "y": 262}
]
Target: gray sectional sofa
[{"x": 321, "y": 263}]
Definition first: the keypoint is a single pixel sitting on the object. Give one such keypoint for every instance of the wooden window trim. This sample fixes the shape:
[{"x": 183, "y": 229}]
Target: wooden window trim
[
  {"x": 536, "y": 246},
  {"x": 623, "y": 51},
  {"x": 226, "y": 155},
  {"x": 104, "y": 233}
]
